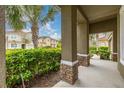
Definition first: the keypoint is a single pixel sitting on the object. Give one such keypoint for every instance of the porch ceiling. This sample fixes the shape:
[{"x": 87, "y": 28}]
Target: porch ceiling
[
  {"x": 97, "y": 13},
  {"x": 80, "y": 18}
]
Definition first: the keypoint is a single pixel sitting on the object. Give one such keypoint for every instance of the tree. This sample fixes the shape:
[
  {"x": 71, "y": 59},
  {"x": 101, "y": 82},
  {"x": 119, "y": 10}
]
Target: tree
[
  {"x": 59, "y": 44},
  {"x": 17, "y": 16},
  {"x": 93, "y": 39}
]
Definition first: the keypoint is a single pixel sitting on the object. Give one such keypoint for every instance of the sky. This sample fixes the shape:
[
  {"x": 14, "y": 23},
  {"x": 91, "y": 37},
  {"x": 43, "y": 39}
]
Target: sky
[{"x": 51, "y": 29}]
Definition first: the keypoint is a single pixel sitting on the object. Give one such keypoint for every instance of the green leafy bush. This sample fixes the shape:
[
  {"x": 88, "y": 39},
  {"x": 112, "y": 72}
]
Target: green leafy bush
[
  {"x": 47, "y": 47},
  {"x": 92, "y": 50},
  {"x": 25, "y": 64},
  {"x": 104, "y": 53}
]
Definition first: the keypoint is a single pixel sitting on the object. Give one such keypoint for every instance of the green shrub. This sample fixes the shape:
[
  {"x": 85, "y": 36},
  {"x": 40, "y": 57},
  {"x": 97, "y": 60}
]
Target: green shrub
[
  {"x": 47, "y": 47},
  {"x": 92, "y": 50},
  {"x": 104, "y": 53},
  {"x": 25, "y": 64}
]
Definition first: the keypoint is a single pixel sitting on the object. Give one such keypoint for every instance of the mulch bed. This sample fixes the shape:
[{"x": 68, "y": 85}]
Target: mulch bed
[{"x": 45, "y": 81}]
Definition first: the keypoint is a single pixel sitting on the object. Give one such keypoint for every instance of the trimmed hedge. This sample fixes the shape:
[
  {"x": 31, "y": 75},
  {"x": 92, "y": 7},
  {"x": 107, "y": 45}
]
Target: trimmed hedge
[
  {"x": 104, "y": 53},
  {"x": 25, "y": 64},
  {"x": 92, "y": 50}
]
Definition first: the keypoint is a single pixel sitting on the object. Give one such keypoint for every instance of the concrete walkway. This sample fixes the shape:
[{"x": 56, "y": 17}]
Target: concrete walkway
[{"x": 100, "y": 73}]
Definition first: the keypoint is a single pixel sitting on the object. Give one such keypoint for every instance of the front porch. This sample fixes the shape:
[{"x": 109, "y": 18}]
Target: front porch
[
  {"x": 101, "y": 73},
  {"x": 77, "y": 23}
]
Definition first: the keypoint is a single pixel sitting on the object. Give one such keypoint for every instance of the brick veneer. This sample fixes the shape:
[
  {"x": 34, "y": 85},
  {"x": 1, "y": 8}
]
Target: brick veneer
[
  {"x": 69, "y": 73},
  {"x": 114, "y": 56},
  {"x": 2, "y": 47},
  {"x": 84, "y": 60}
]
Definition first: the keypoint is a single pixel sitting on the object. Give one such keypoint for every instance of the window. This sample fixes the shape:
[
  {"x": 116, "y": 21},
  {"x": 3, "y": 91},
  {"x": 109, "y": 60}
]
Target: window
[
  {"x": 13, "y": 36},
  {"x": 13, "y": 45}
]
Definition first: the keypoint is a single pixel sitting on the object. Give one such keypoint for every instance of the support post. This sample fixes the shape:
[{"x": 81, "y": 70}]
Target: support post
[
  {"x": 114, "y": 54},
  {"x": 2, "y": 48},
  {"x": 83, "y": 44},
  {"x": 69, "y": 63}
]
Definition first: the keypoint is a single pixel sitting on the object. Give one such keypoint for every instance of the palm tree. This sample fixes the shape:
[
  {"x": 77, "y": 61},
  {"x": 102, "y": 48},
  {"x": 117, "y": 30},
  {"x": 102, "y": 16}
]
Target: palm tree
[{"x": 18, "y": 16}]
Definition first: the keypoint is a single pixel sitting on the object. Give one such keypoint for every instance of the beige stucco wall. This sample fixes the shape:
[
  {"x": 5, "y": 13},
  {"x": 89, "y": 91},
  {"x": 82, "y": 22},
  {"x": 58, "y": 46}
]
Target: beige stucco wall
[
  {"x": 120, "y": 26},
  {"x": 121, "y": 69},
  {"x": 69, "y": 33},
  {"x": 103, "y": 26},
  {"x": 82, "y": 38},
  {"x": 2, "y": 47},
  {"x": 118, "y": 36},
  {"x": 43, "y": 42}
]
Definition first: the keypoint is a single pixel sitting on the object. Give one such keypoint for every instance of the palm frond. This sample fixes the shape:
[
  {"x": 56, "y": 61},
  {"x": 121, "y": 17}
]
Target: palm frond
[
  {"x": 32, "y": 12},
  {"x": 13, "y": 16},
  {"x": 50, "y": 15}
]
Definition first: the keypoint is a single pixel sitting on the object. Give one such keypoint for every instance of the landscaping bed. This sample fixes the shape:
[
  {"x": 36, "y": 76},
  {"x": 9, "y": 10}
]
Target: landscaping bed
[
  {"x": 42, "y": 81},
  {"x": 25, "y": 65}
]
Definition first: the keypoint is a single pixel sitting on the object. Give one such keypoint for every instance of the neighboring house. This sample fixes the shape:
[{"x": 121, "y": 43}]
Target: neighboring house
[
  {"x": 23, "y": 40},
  {"x": 18, "y": 40},
  {"x": 101, "y": 39},
  {"x": 47, "y": 41},
  {"x": 105, "y": 39}
]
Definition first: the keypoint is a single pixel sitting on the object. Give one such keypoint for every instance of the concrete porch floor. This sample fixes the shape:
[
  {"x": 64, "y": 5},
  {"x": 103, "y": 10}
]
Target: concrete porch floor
[{"x": 100, "y": 73}]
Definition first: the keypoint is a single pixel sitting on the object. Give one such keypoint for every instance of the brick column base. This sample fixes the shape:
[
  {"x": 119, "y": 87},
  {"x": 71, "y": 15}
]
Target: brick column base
[
  {"x": 114, "y": 56},
  {"x": 69, "y": 71},
  {"x": 83, "y": 59}
]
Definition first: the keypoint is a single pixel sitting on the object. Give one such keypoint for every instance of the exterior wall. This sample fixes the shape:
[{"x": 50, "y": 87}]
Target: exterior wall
[
  {"x": 2, "y": 48},
  {"x": 29, "y": 46},
  {"x": 18, "y": 39},
  {"x": 121, "y": 52},
  {"x": 69, "y": 27},
  {"x": 43, "y": 42},
  {"x": 82, "y": 38},
  {"x": 83, "y": 44},
  {"x": 47, "y": 41},
  {"x": 103, "y": 43},
  {"x": 103, "y": 26},
  {"x": 118, "y": 36},
  {"x": 121, "y": 69},
  {"x": 18, "y": 46},
  {"x": 28, "y": 36}
]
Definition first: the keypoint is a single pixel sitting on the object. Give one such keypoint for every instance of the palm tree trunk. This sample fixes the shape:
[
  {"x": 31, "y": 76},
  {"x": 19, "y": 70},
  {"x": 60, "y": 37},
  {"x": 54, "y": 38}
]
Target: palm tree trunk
[{"x": 35, "y": 35}]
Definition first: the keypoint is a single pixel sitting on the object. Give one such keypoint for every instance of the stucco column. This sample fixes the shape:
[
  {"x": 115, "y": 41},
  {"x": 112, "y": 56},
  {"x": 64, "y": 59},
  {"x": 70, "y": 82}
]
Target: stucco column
[
  {"x": 114, "y": 54},
  {"x": 2, "y": 47},
  {"x": 69, "y": 63},
  {"x": 118, "y": 37},
  {"x": 83, "y": 44},
  {"x": 121, "y": 63}
]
